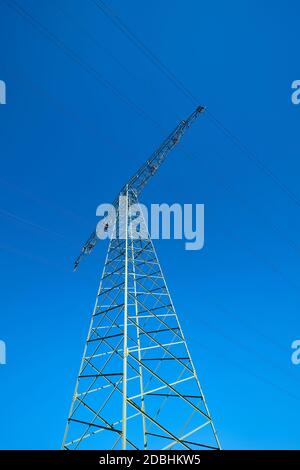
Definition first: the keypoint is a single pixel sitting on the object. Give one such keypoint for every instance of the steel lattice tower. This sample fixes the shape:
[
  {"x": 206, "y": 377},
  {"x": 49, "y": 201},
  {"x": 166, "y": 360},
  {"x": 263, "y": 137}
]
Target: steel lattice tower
[{"x": 137, "y": 386}]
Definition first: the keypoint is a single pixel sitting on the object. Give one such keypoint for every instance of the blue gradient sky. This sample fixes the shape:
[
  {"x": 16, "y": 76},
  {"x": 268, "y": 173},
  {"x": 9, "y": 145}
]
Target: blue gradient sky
[{"x": 68, "y": 143}]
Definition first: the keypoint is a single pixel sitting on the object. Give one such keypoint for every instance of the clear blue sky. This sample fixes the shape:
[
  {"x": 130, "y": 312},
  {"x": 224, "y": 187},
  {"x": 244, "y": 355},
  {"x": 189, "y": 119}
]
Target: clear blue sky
[{"x": 69, "y": 143}]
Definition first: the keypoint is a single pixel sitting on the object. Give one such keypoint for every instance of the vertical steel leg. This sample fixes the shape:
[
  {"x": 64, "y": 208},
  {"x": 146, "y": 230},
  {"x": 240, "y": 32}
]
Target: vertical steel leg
[
  {"x": 125, "y": 350},
  {"x": 139, "y": 346}
]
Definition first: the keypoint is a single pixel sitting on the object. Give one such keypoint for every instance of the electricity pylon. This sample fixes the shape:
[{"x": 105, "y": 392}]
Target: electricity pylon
[{"x": 137, "y": 386}]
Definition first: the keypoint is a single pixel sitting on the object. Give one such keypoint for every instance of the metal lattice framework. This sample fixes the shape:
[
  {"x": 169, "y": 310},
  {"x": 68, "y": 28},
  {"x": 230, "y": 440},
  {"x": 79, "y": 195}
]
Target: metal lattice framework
[{"x": 137, "y": 386}]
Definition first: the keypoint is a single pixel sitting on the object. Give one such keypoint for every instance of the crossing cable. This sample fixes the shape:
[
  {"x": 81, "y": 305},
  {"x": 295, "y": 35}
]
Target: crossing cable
[
  {"x": 32, "y": 225},
  {"x": 85, "y": 65},
  {"x": 115, "y": 18},
  {"x": 241, "y": 366},
  {"x": 230, "y": 188},
  {"x": 98, "y": 43},
  {"x": 75, "y": 57},
  {"x": 133, "y": 38}
]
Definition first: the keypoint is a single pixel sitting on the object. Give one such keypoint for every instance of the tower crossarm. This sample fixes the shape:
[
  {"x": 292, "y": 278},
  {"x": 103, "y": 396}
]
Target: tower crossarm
[{"x": 140, "y": 179}]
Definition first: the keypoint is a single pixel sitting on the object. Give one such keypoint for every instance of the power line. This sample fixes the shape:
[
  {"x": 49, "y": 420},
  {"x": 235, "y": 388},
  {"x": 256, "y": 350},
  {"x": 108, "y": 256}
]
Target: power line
[
  {"x": 100, "y": 44},
  {"x": 227, "y": 187},
  {"x": 85, "y": 65},
  {"x": 274, "y": 227},
  {"x": 55, "y": 42},
  {"x": 27, "y": 222},
  {"x": 94, "y": 39},
  {"x": 43, "y": 202},
  {"x": 75, "y": 57},
  {"x": 262, "y": 166},
  {"x": 34, "y": 257},
  {"x": 244, "y": 369},
  {"x": 249, "y": 350},
  {"x": 115, "y": 18}
]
